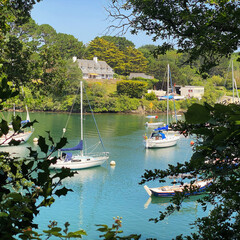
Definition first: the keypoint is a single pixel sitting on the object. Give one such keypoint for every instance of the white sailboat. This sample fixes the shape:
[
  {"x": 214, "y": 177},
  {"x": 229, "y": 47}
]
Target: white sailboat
[
  {"x": 80, "y": 160},
  {"x": 153, "y": 124},
  {"x": 158, "y": 138},
  {"x": 21, "y": 136}
]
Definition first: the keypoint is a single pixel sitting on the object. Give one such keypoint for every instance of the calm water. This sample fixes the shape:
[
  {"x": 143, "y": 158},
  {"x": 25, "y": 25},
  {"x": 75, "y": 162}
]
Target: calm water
[{"x": 105, "y": 192}]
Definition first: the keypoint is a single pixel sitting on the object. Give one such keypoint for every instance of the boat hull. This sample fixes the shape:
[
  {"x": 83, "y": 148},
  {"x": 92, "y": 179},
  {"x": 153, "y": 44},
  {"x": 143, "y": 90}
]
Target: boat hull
[
  {"x": 171, "y": 194},
  {"x": 79, "y": 162},
  {"x": 22, "y": 137},
  {"x": 169, "y": 141},
  {"x": 153, "y": 125},
  {"x": 170, "y": 191}
]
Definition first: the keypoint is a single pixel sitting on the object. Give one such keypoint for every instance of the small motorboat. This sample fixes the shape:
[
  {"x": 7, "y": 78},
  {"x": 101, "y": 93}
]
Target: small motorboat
[{"x": 169, "y": 191}]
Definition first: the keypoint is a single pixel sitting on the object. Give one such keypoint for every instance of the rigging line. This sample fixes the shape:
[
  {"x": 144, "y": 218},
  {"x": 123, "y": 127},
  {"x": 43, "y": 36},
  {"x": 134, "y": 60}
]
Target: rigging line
[
  {"x": 94, "y": 120},
  {"x": 71, "y": 111},
  {"x": 173, "y": 95},
  {"x": 227, "y": 72},
  {"x": 93, "y": 147}
]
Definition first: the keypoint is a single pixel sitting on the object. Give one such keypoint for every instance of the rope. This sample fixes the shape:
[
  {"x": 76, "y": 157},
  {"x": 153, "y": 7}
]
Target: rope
[
  {"x": 173, "y": 95},
  {"x": 227, "y": 73},
  {"x": 93, "y": 147},
  {"x": 70, "y": 112},
  {"x": 94, "y": 120}
]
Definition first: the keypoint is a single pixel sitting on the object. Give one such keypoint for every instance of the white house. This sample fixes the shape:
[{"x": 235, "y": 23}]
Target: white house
[
  {"x": 94, "y": 69},
  {"x": 192, "y": 91}
]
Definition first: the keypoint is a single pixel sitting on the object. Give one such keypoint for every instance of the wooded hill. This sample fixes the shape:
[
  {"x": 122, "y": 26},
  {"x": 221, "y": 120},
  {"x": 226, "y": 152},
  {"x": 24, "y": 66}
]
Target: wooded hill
[{"x": 51, "y": 79}]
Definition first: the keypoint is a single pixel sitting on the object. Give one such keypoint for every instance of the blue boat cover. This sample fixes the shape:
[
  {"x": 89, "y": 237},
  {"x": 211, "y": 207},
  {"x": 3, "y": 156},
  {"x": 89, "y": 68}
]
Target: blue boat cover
[
  {"x": 166, "y": 97},
  {"x": 77, "y": 147},
  {"x": 24, "y": 121},
  {"x": 68, "y": 157},
  {"x": 163, "y": 135},
  {"x": 161, "y": 128}
]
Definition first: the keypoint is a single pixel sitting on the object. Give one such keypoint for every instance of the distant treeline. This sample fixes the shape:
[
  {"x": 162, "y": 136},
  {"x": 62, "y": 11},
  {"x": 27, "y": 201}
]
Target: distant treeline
[{"x": 42, "y": 62}]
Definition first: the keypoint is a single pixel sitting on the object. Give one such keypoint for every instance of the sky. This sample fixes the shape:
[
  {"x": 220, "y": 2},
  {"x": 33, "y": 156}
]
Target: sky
[{"x": 84, "y": 19}]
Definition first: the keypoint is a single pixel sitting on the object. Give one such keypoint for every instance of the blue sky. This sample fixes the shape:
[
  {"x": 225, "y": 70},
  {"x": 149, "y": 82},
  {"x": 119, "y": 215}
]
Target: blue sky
[{"x": 84, "y": 19}]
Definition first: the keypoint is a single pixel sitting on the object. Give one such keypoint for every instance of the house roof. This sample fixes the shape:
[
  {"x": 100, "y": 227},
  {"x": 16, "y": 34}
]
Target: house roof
[
  {"x": 142, "y": 75},
  {"x": 94, "y": 67}
]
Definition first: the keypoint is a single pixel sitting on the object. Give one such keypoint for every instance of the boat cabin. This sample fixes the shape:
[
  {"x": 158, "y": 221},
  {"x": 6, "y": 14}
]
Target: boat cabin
[{"x": 157, "y": 135}]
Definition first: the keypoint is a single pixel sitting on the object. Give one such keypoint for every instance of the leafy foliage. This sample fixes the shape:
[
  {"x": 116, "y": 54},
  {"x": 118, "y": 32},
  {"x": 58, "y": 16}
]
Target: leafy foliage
[
  {"x": 134, "y": 89},
  {"x": 121, "y": 42},
  {"x": 205, "y": 29},
  {"x": 122, "y": 59},
  {"x": 111, "y": 233},
  {"x": 215, "y": 157}
]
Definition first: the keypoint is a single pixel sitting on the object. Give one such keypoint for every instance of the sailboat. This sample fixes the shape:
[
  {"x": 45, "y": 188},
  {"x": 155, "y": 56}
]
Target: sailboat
[
  {"x": 158, "y": 138},
  {"x": 21, "y": 136},
  {"x": 81, "y": 159}
]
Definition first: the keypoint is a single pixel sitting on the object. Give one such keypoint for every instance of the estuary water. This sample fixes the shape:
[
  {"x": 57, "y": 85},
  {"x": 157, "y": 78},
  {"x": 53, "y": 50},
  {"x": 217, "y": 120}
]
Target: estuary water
[{"x": 101, "y": 193}]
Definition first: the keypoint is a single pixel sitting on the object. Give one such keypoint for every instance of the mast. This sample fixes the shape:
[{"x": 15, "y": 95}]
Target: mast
[
  {"x": 234, "y": 86},
  {"x": 81, "y": 111},
  {"x": 167, "y": 93},
  {"x": 233, "y": 83}
]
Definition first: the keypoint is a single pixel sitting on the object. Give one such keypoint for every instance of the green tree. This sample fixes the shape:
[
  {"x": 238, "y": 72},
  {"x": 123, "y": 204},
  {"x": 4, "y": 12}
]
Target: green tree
[
  {"x": 27, "y": 33},
  {"x": 121, "y": 42},
  {"x": 17, "y": 58},
  {"x": 134, "y": 61},
  {"x": 46, "y": 34},
  {"x": 108, "y": 52},
  {"x": 69, "y": 46},
  {"x": 148, "y": 50},
  {"x": 211, "y": 94},
  {"x": 12, "y": 50},
  {"x": 206, "y": 29},
  {"x": 122, "y": 61}
]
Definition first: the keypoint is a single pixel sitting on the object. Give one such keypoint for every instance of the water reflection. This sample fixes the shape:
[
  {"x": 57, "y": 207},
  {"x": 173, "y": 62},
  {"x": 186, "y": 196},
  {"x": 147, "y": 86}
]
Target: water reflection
[
  {"x": 17, "y": 151},
  {"x": 165, "y": 201},
  {"x": 189, "y": 207},
  {"x": 86, "y": 175},
  {"x": 104, "y": 192},
  {"x": 167, "y": 153}
]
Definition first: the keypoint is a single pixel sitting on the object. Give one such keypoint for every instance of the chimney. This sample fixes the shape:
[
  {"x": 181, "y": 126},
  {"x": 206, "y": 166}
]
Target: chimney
[
  {"x": 95, "y": 59},
  {"x": 74, "y": 59}
]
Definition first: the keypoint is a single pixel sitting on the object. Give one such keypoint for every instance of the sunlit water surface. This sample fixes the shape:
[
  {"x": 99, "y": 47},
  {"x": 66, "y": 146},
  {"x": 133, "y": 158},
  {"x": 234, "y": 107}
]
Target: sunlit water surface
[{"x": 101, "y": 193}]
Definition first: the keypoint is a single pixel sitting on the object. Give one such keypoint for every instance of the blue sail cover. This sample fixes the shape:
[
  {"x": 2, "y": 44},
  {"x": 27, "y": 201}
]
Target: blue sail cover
[
  {"x": 77, "y": 147},
  {"x": 163, "y": 135},
  {"x": 166, "y": 97},
  {"x": 24, "y": 121},
  {"x": 161, "y": 128}
]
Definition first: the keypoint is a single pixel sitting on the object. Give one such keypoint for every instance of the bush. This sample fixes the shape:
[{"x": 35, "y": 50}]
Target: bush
[
  {"x": 132, "y": 89},
  {"x": 151, "y": 96}
]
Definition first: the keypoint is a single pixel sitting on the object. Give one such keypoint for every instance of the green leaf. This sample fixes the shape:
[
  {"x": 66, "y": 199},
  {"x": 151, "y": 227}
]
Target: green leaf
[
  {"x": 42, "y": 144},
  {"x": 30, "y": 124},
  {"x": 62, "y": 192},
  {"x": 197, "y": 114},
  {"x": 16, "y": 123},
  {"x": 62, "y": 143},
  {"x": 50, "y": 138},
  {"x": 4, "y": 127},
  {"x": 77, "y": 234},
  {"x": 3, "y": 214}
]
